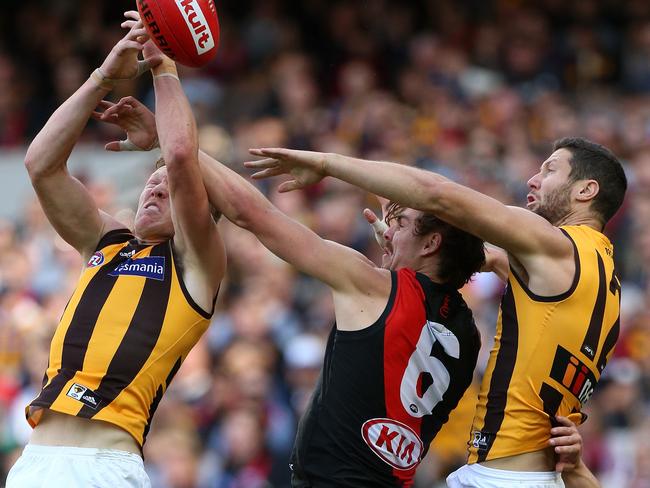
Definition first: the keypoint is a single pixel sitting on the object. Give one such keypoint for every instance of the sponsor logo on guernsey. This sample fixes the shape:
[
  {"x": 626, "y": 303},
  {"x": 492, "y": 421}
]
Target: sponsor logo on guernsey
[
  {"x": 149, "y": 267},
  {"x": 482, "y": 440},
  {"x": 84, "y": 395},
  {"x": 573, "y": 374},
  {"x": 394, "y": 442},
  {"x": 96, "y": 259},
  {"x": 196, "y": 23},
  {"x": 127, "y": 254}
]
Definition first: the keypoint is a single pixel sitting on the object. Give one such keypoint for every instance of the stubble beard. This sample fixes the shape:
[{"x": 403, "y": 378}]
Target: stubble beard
[{"x": 556, "y": 205}]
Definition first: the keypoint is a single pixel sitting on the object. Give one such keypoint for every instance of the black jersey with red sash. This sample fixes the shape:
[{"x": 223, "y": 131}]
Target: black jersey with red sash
[{"x": 385, "y": 391}]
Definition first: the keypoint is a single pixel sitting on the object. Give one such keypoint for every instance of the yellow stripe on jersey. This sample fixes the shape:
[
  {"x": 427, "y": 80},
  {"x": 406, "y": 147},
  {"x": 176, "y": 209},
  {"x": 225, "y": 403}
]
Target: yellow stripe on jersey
[
  {"x": 548, "y": 353},
  {"x": 123, "y": 335}
]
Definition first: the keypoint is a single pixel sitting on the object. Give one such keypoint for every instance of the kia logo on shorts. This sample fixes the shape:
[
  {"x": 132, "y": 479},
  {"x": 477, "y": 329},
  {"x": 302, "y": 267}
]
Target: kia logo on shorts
[{"x": 394, "y": 442}]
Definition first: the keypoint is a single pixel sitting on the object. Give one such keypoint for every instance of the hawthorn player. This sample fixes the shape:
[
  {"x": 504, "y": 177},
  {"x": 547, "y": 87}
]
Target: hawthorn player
[{"x": 143, "y": 300}]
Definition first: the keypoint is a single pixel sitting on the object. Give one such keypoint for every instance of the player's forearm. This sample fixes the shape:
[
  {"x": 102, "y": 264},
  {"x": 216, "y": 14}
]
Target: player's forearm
[
  {"x": 408, "y": 186},
  {"x": 51, "y": 148},
  {"x": 580, "y": 477},
  {"x": 237, "y": 199},
  {"x": 175, "y": 122}
]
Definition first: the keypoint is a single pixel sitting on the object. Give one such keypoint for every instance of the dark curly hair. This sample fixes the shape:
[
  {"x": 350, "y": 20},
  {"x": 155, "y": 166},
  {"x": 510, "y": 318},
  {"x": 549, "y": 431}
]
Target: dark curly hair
[{"x": 461, "y": 254}]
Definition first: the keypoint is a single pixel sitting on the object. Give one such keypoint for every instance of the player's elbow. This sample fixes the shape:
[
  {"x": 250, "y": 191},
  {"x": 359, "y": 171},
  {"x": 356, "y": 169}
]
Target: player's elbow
[
  {"x": 436, "y": 196},
  {"x": 253, "y": 218},
  {"x": 180, "y": 150},
  {"x": 36, "y": 167},
  {"x": 179, "y": 154}
]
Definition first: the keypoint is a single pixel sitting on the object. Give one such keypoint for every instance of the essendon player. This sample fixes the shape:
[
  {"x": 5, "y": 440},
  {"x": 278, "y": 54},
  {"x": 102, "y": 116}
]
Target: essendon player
[{"x": 404, "y": 346}]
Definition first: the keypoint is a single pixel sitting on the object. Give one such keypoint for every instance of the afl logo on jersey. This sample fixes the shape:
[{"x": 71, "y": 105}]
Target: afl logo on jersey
[
  {"x": 96, "y": 259},
  {"x": 394, "y": 442}
]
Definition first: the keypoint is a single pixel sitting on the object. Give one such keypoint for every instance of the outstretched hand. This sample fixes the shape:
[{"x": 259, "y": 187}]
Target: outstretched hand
[
  {"x": 135, "y": 119},
  {"x": 306, "y": 167},
  {"x": 567, "y": 444},
  {"x": 122, "y": 62}
]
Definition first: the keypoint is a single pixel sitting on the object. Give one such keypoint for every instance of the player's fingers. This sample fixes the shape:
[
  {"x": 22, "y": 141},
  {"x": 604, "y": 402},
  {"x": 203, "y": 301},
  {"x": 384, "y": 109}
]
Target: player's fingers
[
  {"x": 557, "y": 431},
  {"x": 105, "y": 104},
  {"x": 566, "y": 440},
  {"x": 288, "y": 186},
  {"x": 370, "y": 216},
  {"x": 262, "y": 163},
  {"x": 128, "y": 145},
  {"x": 125, "y": 46},
  {"x": 113, "y": 146},
  {"x": 128, "y": 24},
  {"x": 379, "y": 226},
  {"x": 147, "y": 64},
  {"x": 267, "y": 173},
  {"x": 564, "y": 421},
  {"x": 102, "y": 117},
  {"x": 128, "y": 100},
  {"x": 273, "y": 152},
  {"x": 567, "y": 450},
  {"x": 120, "y": 108},
  {"x": 136, "y": 32},
  {"x": 132, "y": 14}
]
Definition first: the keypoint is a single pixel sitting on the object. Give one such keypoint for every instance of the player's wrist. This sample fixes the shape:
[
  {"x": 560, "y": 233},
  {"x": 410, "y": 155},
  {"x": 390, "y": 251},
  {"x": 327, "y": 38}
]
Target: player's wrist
[
  {"x": 100, "y": 79},
  {"x": 166, "y": 68}
]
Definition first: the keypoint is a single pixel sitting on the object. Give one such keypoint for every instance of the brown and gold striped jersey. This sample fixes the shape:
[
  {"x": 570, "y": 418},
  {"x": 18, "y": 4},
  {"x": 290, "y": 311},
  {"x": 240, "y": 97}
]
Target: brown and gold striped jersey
[
  {"x": 548, "y": 353},
  {"x": 124, "y": 333}
]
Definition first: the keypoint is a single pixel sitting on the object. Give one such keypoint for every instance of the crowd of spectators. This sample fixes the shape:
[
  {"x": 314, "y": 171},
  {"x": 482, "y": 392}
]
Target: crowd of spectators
[{"x": 475, "y": 89}]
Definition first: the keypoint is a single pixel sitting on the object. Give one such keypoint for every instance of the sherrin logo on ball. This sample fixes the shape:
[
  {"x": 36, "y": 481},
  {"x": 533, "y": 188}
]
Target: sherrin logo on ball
[{"x": 185, "y": 30}]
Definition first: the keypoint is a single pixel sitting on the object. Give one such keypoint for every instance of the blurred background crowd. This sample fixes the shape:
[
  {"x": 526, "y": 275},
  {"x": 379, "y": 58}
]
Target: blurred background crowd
[{"x": 475, "y": 89}]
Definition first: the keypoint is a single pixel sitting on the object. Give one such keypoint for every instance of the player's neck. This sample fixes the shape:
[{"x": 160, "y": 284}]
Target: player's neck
[
  {"x": 151, "y": 240},
  {"x": 581, "y": 218},
  {"x": 430, "y": 270}
]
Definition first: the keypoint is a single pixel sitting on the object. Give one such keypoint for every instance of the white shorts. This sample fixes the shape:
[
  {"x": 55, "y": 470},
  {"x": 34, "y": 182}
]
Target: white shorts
[
  {"x": 477, "y": 476},
  {"x": 77, "y": 467}
]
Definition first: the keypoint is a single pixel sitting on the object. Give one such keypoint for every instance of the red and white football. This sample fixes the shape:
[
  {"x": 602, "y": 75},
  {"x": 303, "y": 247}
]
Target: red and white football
[{"x": 185, "y": 30}]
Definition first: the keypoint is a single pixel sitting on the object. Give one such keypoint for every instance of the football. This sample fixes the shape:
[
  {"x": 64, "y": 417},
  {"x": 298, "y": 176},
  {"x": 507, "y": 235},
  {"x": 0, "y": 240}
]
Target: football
[{"x": 185, "y": 30}]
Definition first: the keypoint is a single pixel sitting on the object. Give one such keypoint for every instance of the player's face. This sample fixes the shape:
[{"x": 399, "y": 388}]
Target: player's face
[
  {"x": 550, "y": 189},
  {"x": 403, "y": 246},
  {"x": 153, "y": 219}
]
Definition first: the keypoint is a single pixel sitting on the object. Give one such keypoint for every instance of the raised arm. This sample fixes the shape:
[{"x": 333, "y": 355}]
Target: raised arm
[
  {"x": 195, "y": 233},
  {"x": 520, "y": 232},
  {"x": 360, "y": 289},
  {"x": 66, "y": 202},
  {"x": 338, "y": 266}
]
